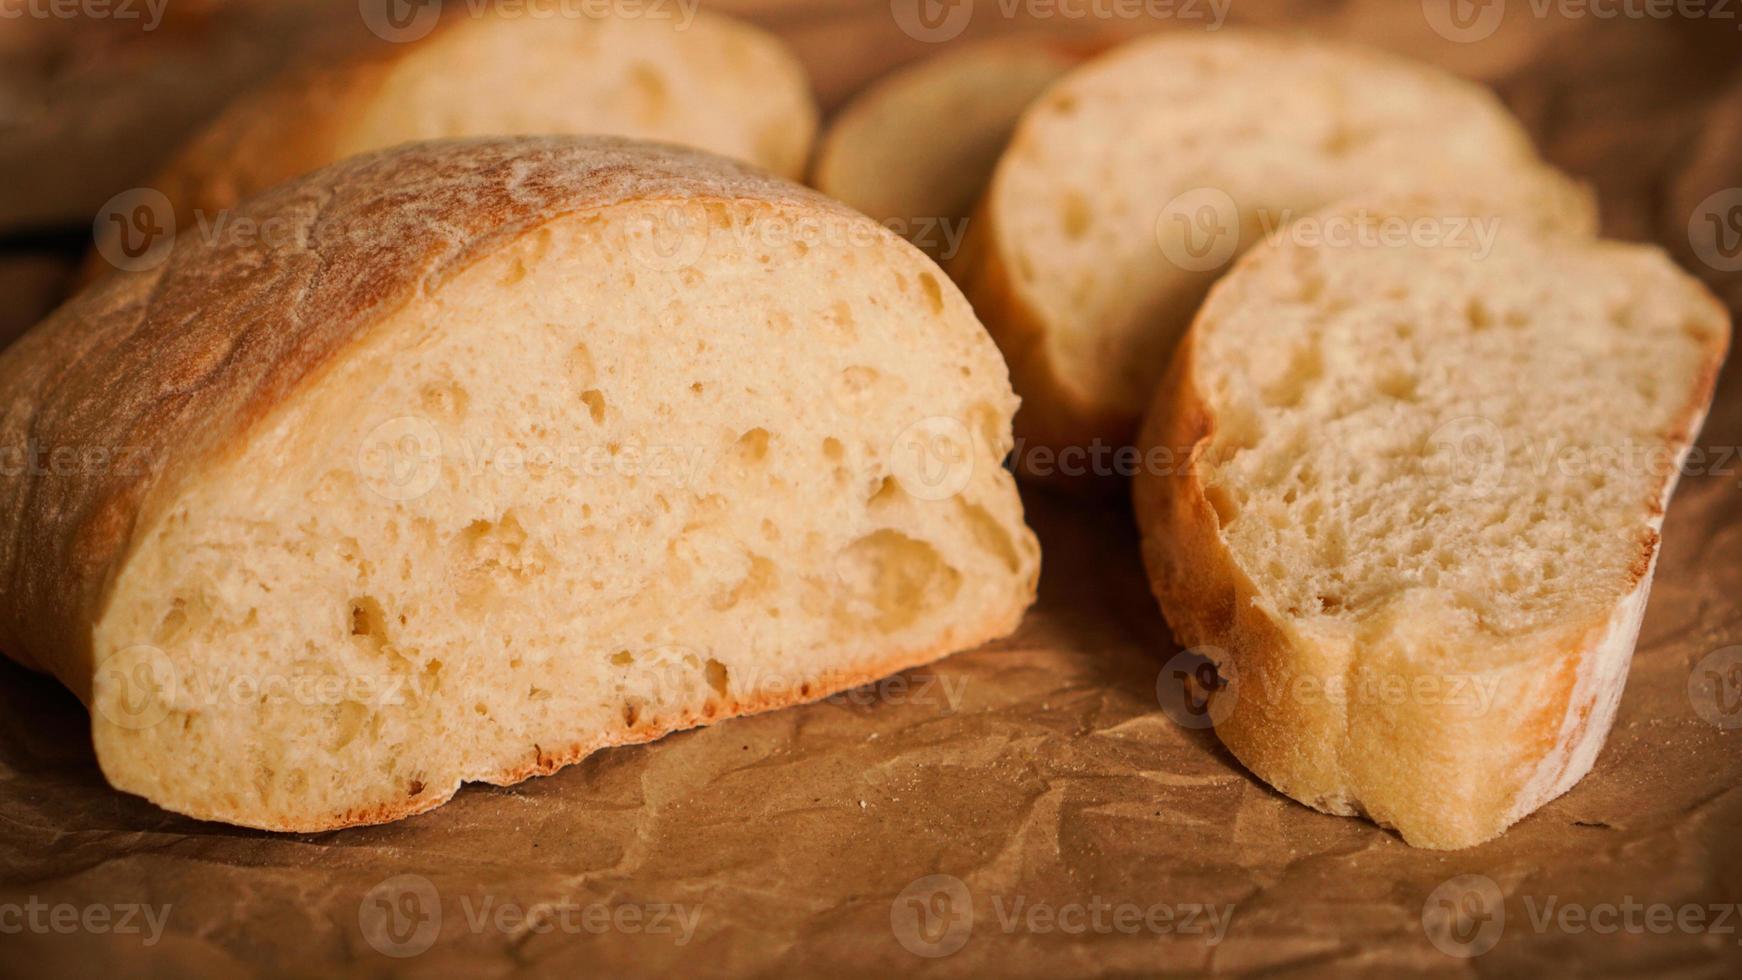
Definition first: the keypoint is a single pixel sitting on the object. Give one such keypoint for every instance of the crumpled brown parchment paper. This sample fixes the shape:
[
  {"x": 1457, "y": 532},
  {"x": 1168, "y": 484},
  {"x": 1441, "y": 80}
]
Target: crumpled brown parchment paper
[{"x": 1023, "y": 809}]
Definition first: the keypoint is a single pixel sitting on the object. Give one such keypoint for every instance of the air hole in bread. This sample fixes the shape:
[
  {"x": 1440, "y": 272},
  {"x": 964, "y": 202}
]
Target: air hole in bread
[
  {"x": 760, "y": 578},
  {"x": 367, "y": 621},
  {"x": 934, "y": 293},
  {"x": 594, "y": 399},
  {"x": 445, "y": 401},
  {"x": 990, "y": 535},
  {"x": 886, "y": 490},
  {"x": 717, "y": 675},
  {"x": 1479, "y": 316},
  {"x": 888, "y": 580},
  {"x": 752, "y": 446},
  {"x": 840, "y": 316},
  {"x": 580, "y": 363}
]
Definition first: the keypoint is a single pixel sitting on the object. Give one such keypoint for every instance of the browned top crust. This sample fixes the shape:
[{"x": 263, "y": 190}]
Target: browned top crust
[{"x": 137, "y": 381}]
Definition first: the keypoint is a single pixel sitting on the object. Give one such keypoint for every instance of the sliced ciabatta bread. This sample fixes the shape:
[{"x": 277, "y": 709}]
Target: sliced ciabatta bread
[
  {"x": 1415, "y": 508},
  {"x": 507, "y": 450},
  {"x": 713, "y": 83},
  {"x": 916, "y": 149},
  {"x": 1131, "y": 183}
]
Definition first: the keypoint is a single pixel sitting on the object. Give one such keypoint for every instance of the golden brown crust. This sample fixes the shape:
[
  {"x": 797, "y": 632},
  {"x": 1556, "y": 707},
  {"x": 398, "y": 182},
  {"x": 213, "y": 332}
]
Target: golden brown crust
[
  {"x": 546, "y": 761},
  {"x": 146, "y": 376},
  {"x": 1053, "y": 414}
]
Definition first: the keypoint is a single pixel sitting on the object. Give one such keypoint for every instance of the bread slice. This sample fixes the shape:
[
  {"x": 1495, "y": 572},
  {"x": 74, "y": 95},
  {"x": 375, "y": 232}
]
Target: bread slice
[
  {"x": 916, "y": 149},
  {"x": 714, "y": 83},
  {"x": 1415, "y": 503},
  {"x": 1133, "y": 181},
  {"x": 509, "y": 450}
]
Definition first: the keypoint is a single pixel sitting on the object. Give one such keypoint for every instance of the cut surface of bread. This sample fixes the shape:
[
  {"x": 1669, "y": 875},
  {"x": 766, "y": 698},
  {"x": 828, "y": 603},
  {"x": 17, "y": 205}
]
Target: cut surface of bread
[
  {"x": 713, "y": 83},
  {"x": 1131, "y": 183},
  {"x": 1421, "y": 512},
  {"x": 524, "y": 448},
  {"x": 916, "y": 149}
]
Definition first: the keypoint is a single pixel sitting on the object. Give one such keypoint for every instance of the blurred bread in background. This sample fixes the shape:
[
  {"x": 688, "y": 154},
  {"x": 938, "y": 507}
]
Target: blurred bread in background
[
  {"x": 916, "y": 149},
  {"x": 1133, "y": 182},
  {"x": 31, "y": 283},
  {"x": 90, "y": 106},
  {"x": 682, "y": 77}
]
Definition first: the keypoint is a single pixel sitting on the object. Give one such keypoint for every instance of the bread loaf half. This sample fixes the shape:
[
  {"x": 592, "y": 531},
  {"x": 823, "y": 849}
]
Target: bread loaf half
[
  {"x": 713, "y": 83},
  {"x": 916, "y": 149},
  {"x": 505, "y": 451},
  {"x": 1133, "y": 181},
  {"x": 1419, "y": 477}
]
